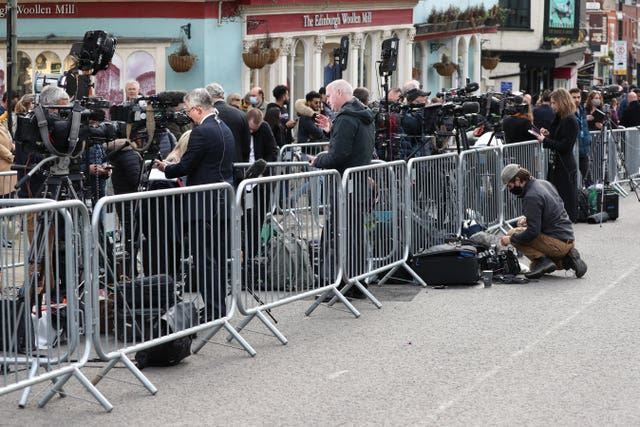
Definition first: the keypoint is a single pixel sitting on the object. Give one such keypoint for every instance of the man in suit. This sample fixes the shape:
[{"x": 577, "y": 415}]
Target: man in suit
[
  {"x": 208, "y": 159},
  {"x": 236, "y": 120}
]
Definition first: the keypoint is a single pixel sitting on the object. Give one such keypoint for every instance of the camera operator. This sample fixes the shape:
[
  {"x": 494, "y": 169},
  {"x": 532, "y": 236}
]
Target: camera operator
[
  {"x": 411, "y": 123},
  {"x": 516, "y": 125}
]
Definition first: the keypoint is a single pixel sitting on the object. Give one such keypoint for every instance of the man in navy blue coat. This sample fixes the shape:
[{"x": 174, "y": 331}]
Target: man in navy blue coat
[{"x": 208, "y": 159}]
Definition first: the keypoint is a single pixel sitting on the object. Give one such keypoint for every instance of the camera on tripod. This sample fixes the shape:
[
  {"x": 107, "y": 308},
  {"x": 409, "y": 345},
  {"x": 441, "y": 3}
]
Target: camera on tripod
[
  {"x": 608, "y": 92},
  {"x": 67, "y": 130}
]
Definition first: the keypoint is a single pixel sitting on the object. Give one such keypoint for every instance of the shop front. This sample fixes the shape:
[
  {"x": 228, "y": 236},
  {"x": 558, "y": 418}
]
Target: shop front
[
  {"x": 306, "y": 33},
  {"x": 147, "y": 32}
]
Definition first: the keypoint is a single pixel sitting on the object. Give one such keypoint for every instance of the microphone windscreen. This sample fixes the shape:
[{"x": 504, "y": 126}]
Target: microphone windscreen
[{"x": 171, "y": 97}]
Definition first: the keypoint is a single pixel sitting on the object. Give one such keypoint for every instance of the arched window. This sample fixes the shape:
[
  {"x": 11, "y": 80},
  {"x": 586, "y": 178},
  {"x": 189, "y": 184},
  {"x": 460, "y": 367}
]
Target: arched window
[
  {"x": 366, "y": 64},
  {"x": 25, "y": 74},
  {"x": 418, "y": 62},
  {"x": 329, "y": 69},
  {"x": 141, "y": 67},
  {"x": 299, "y": 73},
  {"x": 109, "y": 83}
]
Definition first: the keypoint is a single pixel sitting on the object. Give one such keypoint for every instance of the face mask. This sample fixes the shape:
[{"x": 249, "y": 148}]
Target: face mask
[
  {"x": 596, "y": 102},
  {"x": 253, "y": 100},
  {"x": 516, "y": 191}
]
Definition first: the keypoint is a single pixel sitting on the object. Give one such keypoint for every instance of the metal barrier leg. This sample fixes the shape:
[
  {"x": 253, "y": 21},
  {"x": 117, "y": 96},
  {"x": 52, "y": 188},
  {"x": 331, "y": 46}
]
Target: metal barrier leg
[
  {"x": 232, "y": 331},
  {"x": 135, "y": 371},
  {"x": 229, "y": 327},
  {"x": 409, "y": 270},
  {"x": 196, "y": 348},
  {"x": 104, "y": 371},
  {"x": 57, "y": 389},
  {"x": 25, "y": 393},
  {"x": 242, "y": 325},
  {"x": 337, "y": 295},
  {"x": 272, "y": 327}
]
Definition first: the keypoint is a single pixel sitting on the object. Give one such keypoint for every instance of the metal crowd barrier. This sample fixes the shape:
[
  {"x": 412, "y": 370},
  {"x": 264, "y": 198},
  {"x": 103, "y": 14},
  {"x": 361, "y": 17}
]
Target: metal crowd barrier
[
  {"x": 480, "y": 186},
  {"x": 433, "y": 189},
  {"x": 290, "y": 242},
  {"x": 376, "y": 206},
  {"x": 7, "y": 184},
  {"x": 299, "y": 152},
  {"x": 44, "y": 306},
  {"x": 597, "y": 154},
  {"x": 164, "y": 268},
  {"x": 529, "y": 155}
]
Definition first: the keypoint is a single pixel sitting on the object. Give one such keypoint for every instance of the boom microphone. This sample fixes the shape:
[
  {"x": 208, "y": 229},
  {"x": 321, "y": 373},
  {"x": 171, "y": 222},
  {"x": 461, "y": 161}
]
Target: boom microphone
[{"x": 471, "y": 87}]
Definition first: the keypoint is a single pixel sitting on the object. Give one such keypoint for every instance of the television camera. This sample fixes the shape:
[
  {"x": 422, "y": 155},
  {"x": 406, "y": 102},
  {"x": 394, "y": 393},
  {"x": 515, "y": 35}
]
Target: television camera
[{"x": 608, "y": 92}]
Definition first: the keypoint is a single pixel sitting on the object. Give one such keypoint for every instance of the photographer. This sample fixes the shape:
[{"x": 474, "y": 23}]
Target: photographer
[
  {"x": 411, "y": 123},
  {"x": 516, "y": 125}
]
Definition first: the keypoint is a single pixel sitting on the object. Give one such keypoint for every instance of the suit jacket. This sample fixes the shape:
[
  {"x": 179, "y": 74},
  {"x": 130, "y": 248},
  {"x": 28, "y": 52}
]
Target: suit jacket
[
  {"x": 208, "y": 159},
  {"x": 237, "y": 122}
]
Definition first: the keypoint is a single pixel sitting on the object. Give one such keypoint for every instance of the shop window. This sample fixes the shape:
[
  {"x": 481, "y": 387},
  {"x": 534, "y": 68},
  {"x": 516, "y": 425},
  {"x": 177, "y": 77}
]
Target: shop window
[
  {"x": 25, "y": 74},
  {"x": 366, "y": 66},
  {"x": 418, "y": 61},
  {"x": 140, "y": 66},
  {"x": 299, "y": 73},
  {"x": 109, "y": 83},
  {"x": 520, "y": 13},
  {"x": 330, "y": 70}
]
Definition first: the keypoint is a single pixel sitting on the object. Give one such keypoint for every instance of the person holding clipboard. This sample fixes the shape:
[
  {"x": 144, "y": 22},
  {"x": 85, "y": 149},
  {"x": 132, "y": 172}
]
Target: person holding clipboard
[{"x": 595, "y": 116}]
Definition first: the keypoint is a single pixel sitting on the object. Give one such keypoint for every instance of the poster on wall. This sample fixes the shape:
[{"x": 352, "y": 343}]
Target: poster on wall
[{"x": 561, "y": 18}]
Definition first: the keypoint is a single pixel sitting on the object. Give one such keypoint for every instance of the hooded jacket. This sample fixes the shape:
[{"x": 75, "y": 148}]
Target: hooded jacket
[
  {"x": 352, "y": 138},
  {"x": 307, "y": 129}
]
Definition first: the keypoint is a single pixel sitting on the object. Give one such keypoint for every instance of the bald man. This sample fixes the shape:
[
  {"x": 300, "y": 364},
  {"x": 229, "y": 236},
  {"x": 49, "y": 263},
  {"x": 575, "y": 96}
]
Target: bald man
[
  {"x": 631, "y": 115},
  {"x": 256, "y": 98}
]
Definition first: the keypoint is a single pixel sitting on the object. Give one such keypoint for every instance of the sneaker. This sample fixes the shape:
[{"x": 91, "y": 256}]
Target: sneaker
[
  {"x": 573, "y": 261},
  {"x": 540, "y": 267}
]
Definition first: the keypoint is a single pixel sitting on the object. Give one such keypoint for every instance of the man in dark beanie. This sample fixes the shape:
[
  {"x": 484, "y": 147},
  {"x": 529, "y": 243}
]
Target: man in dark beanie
[{"x": 544, "y": 233}]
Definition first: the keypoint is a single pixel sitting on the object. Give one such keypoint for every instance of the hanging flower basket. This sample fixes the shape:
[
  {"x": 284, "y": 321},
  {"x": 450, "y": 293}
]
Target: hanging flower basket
[
  {"x": 274, "y": 54},
  {"x": 255, "y": 60},
  {"x": 489, "y": 62},
  {"x": 181, "y": 63},
  {"x": 445, "y": 69}
]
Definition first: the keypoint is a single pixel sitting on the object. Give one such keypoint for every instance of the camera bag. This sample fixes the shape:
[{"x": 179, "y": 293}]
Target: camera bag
[{"x": 448, "y": 264}]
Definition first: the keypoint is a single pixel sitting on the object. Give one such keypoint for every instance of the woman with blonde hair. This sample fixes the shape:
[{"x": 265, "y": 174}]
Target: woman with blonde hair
[
  {"x": 176, "y": 154},
  {"x": 560, "y": 139}
]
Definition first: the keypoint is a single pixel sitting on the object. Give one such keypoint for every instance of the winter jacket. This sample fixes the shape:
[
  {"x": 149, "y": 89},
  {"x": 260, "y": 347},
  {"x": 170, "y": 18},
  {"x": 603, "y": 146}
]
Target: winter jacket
[{"x": 352, "y": 138}]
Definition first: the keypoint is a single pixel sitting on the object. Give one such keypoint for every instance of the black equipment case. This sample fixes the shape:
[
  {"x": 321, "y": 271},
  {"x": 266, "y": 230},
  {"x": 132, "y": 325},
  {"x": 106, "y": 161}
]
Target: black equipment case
[
  {"x": 448, "y": 264},
  {"x": 610, "y": 203}
]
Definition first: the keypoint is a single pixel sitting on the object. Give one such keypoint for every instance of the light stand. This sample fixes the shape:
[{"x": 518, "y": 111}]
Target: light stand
[{"x": 386, "y": 69}]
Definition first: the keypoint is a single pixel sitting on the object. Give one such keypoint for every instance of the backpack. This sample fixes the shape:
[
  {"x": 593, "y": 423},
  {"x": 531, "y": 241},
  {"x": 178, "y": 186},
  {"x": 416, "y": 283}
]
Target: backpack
[
  {"x": 289, "y": 263},
  {"x": 168, "y": 354},
  {"x": 179, "y": 317},
  {"x": 584, "y": 208}
]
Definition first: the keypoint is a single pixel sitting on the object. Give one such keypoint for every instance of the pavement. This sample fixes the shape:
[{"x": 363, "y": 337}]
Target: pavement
[{"x": 558, "y": 351}]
